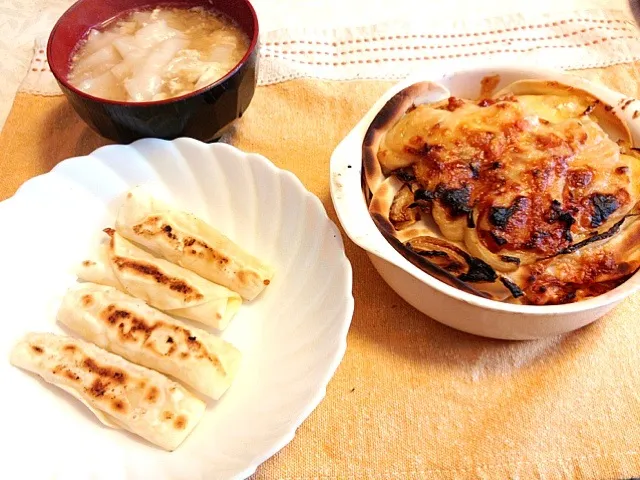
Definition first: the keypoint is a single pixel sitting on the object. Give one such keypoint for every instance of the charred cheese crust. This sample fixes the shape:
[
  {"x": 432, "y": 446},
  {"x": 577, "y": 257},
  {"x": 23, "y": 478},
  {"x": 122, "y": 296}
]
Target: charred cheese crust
[{"x": 514, "y": 180}]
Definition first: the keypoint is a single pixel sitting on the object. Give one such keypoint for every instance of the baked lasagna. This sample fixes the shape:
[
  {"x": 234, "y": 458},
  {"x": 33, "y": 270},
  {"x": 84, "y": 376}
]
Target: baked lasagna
[{"x": 526, "y": 195}]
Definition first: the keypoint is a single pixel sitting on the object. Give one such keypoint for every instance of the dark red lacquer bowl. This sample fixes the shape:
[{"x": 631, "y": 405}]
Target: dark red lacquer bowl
[{"x": 203, "y": 114}]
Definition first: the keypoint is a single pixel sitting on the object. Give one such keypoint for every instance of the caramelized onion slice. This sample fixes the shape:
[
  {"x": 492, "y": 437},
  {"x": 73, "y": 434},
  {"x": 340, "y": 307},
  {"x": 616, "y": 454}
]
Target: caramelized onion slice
[
  {"x": 403, "y": 212},
  {"x": 465, "y": 267},
  {"x": 502, "y": 263},
  {"x": 374, "y": 161},
  {"x": 451, "y": 228},
  {"x": 445, "y": 255}
]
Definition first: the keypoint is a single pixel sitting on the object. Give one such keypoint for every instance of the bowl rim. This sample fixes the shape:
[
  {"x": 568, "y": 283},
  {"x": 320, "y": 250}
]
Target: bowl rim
[
  {"x": 350, "y": 206},
  {"x": 61, "y": 79}
]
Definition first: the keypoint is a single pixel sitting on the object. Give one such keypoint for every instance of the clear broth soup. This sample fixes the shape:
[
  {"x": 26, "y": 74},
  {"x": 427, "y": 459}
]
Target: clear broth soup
[{"x": 150, "y": 55}]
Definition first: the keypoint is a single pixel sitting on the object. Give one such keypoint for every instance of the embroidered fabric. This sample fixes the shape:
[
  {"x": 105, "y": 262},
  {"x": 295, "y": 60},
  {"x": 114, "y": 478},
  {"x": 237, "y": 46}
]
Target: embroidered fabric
[{"x": 582, "y": 39}]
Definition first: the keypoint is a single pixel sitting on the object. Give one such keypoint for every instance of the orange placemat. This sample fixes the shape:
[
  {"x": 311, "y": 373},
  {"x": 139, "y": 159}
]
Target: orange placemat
[{"x": 412, "y": 398}]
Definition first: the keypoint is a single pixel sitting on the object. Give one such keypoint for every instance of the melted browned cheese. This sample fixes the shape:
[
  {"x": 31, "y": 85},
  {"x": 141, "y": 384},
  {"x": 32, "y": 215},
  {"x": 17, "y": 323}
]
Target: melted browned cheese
[{"x": 532, "y": 175}]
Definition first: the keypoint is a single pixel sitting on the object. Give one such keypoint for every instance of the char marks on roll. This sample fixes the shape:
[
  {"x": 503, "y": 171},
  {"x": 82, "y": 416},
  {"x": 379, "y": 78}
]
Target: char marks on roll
[
  {"x": 168, "y": 287},
  {"x": 119, "y": 393},
  {"x": 186, "y": 240},
  {"x": 128, "y": 327}
]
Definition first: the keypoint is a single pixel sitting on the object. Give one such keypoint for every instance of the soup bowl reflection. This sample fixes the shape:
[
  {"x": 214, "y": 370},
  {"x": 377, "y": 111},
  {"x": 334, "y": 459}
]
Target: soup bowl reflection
[{"x": 203, "y": 114}]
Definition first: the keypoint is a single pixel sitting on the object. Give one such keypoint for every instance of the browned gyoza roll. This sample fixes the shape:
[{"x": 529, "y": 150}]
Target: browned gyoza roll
[
  {"x": 128, "y": 327},
  {"x": 121, "y": 394},
  {"x": 160, "y": 283},
  {"x": 186, "y": 240}
]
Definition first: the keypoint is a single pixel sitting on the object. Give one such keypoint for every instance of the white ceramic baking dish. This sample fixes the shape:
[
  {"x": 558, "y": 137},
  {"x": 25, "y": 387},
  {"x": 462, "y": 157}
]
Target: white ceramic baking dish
[{"x": 446, "y": 304}]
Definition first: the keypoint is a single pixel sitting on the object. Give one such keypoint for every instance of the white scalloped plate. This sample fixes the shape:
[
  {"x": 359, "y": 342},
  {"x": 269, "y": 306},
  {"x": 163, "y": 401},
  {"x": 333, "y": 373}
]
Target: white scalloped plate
[{"x": 293, "y": 336}]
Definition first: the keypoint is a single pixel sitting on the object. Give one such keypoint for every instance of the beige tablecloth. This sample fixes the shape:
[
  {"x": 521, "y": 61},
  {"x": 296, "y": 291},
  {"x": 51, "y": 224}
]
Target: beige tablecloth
[{"x": 412, "y": 398}]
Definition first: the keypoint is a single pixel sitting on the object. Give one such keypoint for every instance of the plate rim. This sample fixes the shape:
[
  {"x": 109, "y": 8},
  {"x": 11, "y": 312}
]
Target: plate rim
[{"x": 339, "y": 348}]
